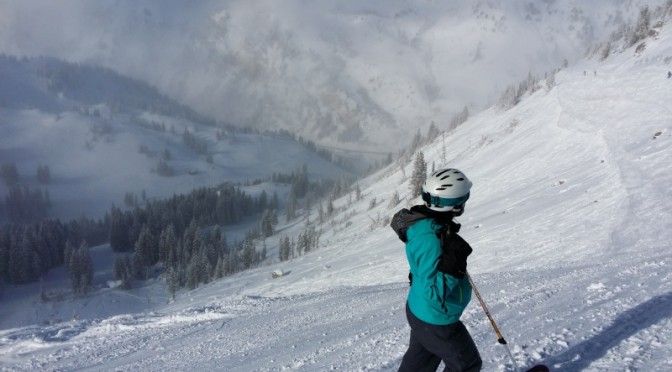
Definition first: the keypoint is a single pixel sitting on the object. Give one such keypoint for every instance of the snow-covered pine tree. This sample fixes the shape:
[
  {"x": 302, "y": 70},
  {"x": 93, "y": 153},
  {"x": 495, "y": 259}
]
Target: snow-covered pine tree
[
  {"x": 166, "y": 241},
  {"x": 248, "y": 254},
  {"x": 419, "y": 174},
  {"x": 143, "y": 256},
  {"x": 266, "y": 224},
  {"x": 291, "y": 205},
  {"x": 172, "y": 281},
  {"x": 85, "y": 267}
]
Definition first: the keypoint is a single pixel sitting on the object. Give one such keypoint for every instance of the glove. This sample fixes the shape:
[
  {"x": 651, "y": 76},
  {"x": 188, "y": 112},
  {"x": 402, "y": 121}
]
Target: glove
[{"x": 453, "y": 260}]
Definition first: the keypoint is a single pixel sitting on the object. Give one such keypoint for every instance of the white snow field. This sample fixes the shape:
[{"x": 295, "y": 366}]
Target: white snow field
[{"x": 570, "y": 220}]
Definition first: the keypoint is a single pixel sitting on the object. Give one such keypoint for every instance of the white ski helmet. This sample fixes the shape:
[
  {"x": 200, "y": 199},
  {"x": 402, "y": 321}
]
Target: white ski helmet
[{"x": 446, "y": 190}]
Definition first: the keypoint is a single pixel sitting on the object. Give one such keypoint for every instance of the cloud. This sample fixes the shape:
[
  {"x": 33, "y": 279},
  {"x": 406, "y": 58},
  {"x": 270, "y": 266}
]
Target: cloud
[{"x": 274, "y": 64}]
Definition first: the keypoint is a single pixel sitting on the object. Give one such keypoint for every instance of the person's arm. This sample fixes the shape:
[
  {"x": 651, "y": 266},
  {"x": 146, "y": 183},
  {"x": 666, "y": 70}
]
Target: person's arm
[
  {"x": 453, "y": 259},
  {"x": 426, "y": 254}
]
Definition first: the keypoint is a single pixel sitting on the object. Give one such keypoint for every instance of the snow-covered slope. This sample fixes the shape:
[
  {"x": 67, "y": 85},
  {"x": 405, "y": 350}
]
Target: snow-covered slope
[
  {"x": 569, "y": 220},
  {"x": 368, "y": 73},
  {"x": 102, "y": 135}
]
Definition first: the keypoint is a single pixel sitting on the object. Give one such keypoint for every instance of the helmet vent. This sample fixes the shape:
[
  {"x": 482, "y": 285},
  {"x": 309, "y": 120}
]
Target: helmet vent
[
  {"x": 447, "y": 185},
  {"x": 460, "y": 179},
  {"x": 442, "y": 172}
]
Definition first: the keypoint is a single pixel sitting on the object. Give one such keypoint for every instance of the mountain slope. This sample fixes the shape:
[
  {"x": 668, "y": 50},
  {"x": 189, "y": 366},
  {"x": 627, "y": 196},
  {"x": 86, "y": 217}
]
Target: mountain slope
[
  {"x": 569, "y": 220},
  {"x": 337, "y": 72},
  {"x": 104, "y": 135}
]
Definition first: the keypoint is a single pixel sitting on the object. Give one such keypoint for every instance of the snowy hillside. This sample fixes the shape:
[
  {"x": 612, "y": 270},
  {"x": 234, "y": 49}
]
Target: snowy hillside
[
  {"x": 338, "y": 72},
  {"x": 103, "y": 135},
  {"x": 570, "y": 223}
]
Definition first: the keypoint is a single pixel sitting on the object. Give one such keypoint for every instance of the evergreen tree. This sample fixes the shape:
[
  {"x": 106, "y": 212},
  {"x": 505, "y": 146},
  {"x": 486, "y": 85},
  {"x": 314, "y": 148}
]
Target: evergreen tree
[
  {"x": 509, "y": 98},
  {"x": 268, "y": 221},
  {"x": 264, "y": 253},
  {"x": 68, "y": 251},
  {"x": 172, "y": 281},
  {"x": 643, "y": 25},
  {"x": 291, "y": 205},
  {"x": 232, "y": 262},
  {"x": 248, "y": 254},
  {"x": 219, "y": 268},
  {"x": 119, "y": 226},
  {"x": 84, "y": 267},
  {"x": 144, "y": 255},
  {"x": 80, "y": 268},
  {"x": 123, "y": 271},
  {"x": 192, "y": 273},
  {"x": 419, "y": 174},
  {"x": 167, "y": 241},
  {"x": 19, "y": 262},
  {"x": 73, "y": 268},
  {"x": 206, "y": 269},
  {"x": 189, "y": 237},
  {"x": 211, "y": 254},
  {"x": 301, "y": 183},
  {"x": 282, "y": 250}
]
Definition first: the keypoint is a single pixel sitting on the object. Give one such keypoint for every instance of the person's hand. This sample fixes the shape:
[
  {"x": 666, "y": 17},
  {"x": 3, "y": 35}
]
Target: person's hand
[{"x": 453, "y": 260}]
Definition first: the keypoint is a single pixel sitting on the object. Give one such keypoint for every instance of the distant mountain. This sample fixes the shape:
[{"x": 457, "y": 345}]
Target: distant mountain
[
  {"x": 87, "y": 137},
  {"x": 338, "y": 72}
]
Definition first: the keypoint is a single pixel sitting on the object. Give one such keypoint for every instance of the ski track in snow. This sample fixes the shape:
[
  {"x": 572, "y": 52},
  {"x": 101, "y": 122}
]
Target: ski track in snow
[{"x": 364, "y": 328}]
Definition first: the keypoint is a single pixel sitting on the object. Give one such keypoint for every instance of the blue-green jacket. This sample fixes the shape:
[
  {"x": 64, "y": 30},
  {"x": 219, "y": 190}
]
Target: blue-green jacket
[{"x": 434, "y": 297}]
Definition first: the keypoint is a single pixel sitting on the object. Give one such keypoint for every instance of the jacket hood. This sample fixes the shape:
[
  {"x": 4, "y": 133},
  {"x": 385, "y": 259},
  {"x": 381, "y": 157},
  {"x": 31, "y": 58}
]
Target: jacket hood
[{"x": 405, "y": 218}]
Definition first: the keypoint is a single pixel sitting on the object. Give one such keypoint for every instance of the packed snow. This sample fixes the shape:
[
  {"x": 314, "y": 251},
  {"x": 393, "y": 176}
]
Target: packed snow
[{"x": 570, "y": 223}]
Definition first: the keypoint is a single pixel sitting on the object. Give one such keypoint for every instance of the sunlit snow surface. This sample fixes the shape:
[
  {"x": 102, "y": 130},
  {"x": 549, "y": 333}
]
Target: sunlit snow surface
[{"x": 569, "y": 219}]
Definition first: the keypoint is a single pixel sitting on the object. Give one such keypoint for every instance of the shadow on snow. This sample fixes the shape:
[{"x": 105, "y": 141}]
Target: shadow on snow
[{"x": 642, "y": 316}]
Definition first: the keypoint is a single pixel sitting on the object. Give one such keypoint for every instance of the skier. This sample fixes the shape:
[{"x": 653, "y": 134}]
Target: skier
[{"x": 439, "y": 291}]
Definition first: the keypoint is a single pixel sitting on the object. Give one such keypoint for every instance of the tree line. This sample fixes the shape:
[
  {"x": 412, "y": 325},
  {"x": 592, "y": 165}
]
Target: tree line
[
  {"x": 29, "y": 251},
  {"x": 182, "y": 233}
]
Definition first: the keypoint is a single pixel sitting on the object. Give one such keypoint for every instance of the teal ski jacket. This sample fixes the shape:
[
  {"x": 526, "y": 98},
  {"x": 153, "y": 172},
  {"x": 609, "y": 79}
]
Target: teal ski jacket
[{"x": 434, "y": 297}]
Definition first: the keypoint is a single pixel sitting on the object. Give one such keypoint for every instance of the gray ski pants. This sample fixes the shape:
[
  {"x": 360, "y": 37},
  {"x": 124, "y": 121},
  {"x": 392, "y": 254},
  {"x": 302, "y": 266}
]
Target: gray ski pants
[{"x": 430, "y": 344}]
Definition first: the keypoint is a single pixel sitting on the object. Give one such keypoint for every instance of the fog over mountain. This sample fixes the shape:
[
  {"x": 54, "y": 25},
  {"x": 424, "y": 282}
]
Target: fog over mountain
[{"x": 346, "y": 73}]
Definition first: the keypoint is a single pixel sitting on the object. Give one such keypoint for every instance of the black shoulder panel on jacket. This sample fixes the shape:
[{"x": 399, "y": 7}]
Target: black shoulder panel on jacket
[{"x": 404, "y": 219}]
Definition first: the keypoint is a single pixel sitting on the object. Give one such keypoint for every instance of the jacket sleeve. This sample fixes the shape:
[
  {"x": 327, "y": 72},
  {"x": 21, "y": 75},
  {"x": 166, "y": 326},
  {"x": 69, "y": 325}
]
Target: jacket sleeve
[{"x": 425, "y": 252}]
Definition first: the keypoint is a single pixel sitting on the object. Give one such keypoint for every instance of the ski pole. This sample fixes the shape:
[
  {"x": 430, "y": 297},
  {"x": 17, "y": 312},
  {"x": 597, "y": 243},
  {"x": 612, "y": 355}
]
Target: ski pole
[{"x": 500, "y": 339}]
